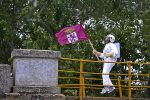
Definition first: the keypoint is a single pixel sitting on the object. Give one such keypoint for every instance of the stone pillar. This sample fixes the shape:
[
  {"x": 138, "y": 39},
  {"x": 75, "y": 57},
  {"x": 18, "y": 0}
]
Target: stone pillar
[
  {"x": 36, "y": 74},
  {"x": 6, "y": 81}
]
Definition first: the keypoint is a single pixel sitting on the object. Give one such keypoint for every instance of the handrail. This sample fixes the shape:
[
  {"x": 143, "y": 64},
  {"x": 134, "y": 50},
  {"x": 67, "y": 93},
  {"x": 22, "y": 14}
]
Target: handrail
[
  {"x": 69, "y": 71},
  {"x": 82, "y": 85},
  {"x": 146, "y": 63}
]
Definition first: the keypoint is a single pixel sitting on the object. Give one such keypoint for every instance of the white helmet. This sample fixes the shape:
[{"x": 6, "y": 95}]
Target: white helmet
[{"x": 110, "y": 38}]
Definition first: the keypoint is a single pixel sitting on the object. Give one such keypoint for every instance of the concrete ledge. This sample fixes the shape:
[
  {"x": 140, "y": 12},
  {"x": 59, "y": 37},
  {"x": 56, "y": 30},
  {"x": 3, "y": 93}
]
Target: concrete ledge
[
  {"x": 17, "y": 96},
  {"x": 36, "y": 89},
  {"x": 29, "y": 53}
]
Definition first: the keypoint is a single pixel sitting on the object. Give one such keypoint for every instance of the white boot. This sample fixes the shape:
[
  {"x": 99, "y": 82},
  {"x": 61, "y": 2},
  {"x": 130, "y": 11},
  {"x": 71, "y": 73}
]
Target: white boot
[
  {"x": 111, "y": 89},
  {"x": 104, "y": 90}
]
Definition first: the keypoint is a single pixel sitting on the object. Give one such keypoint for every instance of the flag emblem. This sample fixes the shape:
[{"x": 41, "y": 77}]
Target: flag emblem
[
  {"x": 71, "y": 34},
  {"x": 72, "y": 37}
]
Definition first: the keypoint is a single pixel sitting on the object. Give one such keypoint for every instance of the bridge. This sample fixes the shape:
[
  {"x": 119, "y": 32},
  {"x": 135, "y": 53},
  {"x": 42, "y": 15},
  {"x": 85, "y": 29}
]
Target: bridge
[{"x": 45, "y": 75}]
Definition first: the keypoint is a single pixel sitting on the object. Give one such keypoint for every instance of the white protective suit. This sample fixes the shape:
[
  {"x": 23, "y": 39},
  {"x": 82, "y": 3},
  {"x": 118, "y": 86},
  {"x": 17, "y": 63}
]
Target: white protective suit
[{"x": 109, "y": 48}]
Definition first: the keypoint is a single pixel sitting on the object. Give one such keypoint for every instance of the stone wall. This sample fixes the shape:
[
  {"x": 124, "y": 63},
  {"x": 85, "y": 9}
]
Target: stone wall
[{"x": 6, "y": 81}]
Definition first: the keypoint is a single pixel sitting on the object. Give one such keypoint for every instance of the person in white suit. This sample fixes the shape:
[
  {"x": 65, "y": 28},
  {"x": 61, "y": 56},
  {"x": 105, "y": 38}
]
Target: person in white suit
[{"x": 109, "y": 54}]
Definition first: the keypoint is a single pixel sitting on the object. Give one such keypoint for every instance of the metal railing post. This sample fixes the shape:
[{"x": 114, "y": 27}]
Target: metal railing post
[
  {"x": 129, "y": 80},
  {"x": 83, "y": 88},
  {"x": 120, "y": 89},
  {"x": 81, "y": 79}
]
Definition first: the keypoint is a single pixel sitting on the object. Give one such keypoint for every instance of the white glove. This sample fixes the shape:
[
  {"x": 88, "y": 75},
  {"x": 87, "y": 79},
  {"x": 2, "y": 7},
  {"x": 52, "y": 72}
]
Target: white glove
[{"x": 95, "y": 52}]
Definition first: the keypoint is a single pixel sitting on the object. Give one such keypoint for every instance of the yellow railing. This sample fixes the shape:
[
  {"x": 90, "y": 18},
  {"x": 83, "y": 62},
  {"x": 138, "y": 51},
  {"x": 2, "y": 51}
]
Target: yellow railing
[{"x": 81, "y": 78}]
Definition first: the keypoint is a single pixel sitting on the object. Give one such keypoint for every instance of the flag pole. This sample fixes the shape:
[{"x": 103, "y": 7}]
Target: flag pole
[{"x": 93, "y": 48}]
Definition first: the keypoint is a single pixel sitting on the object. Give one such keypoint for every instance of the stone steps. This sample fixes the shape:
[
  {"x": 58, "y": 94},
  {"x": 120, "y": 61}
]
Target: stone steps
[
  {"x": 18, "y": 96},
  {"x": 36, "y": 89}
]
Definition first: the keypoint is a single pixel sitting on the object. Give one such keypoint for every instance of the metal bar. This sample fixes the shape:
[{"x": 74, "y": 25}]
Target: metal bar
[
  {"x": 103, "y": 73},
  {"x": 119, "y": 87},
  {"x": 146, "y": 63},
  {"x": 81, "y": 79},
  {"x": 129, "y": 80},
  {"x": 83, "y": 88}
]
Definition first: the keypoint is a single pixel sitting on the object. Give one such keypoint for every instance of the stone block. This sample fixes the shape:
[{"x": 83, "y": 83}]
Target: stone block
[
  {"x": 6, "y": 81},
  {"x": 35, "y": 67},
  {"x": 34, "y": 71}
]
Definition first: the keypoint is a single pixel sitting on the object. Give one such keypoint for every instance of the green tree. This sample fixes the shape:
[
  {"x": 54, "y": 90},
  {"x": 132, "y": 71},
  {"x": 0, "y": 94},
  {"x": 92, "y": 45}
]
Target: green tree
[
  {"x": 9, "y": 38},
  {"x": 32, "y": 24}
]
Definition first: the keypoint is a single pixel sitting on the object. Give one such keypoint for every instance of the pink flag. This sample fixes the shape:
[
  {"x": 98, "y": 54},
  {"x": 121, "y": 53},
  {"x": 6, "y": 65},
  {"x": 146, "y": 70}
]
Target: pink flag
[{"x": 71, "y": 34}]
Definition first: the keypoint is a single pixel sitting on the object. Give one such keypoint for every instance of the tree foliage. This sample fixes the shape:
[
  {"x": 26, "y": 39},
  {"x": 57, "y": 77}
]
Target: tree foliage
[{"x": 32, "y": 24}]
